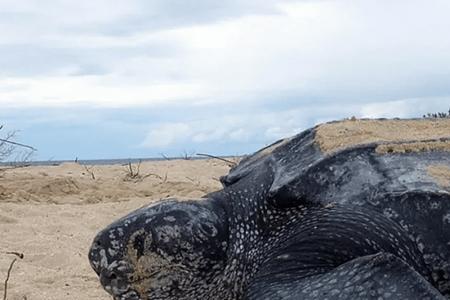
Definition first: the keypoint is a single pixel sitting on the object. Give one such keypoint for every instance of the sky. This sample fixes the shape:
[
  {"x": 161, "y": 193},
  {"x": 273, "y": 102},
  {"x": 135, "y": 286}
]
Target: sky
[{"x": 146, "y": 78}]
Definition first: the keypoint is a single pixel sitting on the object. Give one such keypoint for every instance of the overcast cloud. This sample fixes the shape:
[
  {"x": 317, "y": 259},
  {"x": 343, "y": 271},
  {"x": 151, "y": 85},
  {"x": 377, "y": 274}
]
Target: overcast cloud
[{"x": 219, "y": 76}]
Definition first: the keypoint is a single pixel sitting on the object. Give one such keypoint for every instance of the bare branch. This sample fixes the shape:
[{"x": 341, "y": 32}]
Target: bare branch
[
  {"x": 17, "y": 144},
  {"x": 18, "y": 254},
  {"x": 165, "y": 156},
  {"x": 132, "y": 172},
  {"x": 8, "y": 148},
  {"x": 7, "y": 278},
  {"x": 8, "y": 274},
  {"x": 90, "y": 171},
  {"x": 186, "y": 155},
  {"x": 229, "y": 162}
]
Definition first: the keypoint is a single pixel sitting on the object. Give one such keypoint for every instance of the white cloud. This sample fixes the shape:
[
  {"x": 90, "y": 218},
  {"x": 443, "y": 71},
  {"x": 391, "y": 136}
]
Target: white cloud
[
  {"x": 328, "y": 51},
  {"x": 325, "y": 49},
  {"x": 240, "y": 128},
  {"x": 101, "y": 91},
  {"x": 405, "y": 108},
  {"x": 167, "y": 134},
  {"x": 277, "y": 71}
]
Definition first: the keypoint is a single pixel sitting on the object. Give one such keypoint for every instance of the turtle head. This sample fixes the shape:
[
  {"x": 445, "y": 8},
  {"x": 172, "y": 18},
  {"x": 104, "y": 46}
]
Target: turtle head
[{"x": 170, "y": 250}]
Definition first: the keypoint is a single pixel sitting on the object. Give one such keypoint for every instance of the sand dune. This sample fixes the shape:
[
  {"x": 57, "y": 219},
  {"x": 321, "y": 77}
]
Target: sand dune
[{"x": 51, "y": 214}]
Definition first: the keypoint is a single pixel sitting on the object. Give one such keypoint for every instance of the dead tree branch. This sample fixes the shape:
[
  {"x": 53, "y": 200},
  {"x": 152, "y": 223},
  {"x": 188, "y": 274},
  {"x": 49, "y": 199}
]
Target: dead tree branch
[
  {"x": 90, "y": 171},
  {"x": 8, "y": 274},
  {"x": 17, "y": 144},
  {"x": 133, "y": 172},
  {"x": 18, "y": 254},
  {"x": 165, "y": 156},
  {"x": 229, "y": 162},
  {"x": 186, "y": 155},
  {"x": 8, "y": 148}
]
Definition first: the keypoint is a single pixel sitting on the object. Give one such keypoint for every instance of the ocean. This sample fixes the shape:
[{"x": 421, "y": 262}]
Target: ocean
[{"x": 117, "y": 161}]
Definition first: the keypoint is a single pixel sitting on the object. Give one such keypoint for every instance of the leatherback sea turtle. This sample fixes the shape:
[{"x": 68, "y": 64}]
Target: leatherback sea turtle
[{"x": 357, "y": 209}]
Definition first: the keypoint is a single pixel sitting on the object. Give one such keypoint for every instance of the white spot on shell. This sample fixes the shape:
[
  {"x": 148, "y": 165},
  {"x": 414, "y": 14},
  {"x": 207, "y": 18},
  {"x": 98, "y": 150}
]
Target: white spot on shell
[
  {"x": 446, "y": 218},
  {"x": 170, "y": 219},
  {"x": 103, "y": 259}
]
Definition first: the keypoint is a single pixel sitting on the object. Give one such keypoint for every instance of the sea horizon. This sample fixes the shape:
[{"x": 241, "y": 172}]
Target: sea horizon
[{"x": 108, "y": 161}]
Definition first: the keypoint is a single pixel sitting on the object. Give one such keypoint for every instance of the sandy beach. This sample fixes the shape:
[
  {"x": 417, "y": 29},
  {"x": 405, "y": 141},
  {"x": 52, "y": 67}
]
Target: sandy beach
[{"x": 51, "y": 214}]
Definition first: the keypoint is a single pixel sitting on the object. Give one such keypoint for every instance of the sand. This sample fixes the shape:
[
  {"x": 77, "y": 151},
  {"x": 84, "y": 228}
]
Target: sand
[
  {"x": 51, "y": 214},
  {"x": 405, "y": 147},
  {"x": 334, "y": 136},
  {"x": 441, "y": 173}
]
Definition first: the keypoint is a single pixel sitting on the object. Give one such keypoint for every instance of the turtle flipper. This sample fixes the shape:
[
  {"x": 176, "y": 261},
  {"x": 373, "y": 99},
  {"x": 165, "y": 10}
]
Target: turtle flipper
[{"x": 378, "y": 276}]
